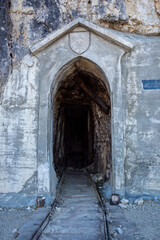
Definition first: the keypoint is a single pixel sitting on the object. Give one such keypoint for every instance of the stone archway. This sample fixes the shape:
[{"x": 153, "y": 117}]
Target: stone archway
[
  {"x": 82, "y": 119},
  {"x": 47, "y": 175},
  {"x": 57, "y": 61}
]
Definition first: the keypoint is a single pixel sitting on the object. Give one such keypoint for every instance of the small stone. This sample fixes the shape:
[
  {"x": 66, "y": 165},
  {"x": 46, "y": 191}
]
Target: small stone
[
  {"x": 40, "y": 201},
  {"x": 139, "y": 201},
  {"x": 15, "y": 233},
  {"x": 113, "y": 235},
  {"x": 156, "y": 199},
  {"x": 137, "y": 238},
  {"x": 119, "y": 230},
  {"x": 123, "y": 206},
  {"x": 58, "y": 209},
  {"x": 1, "y": 209},
  {"x": 97, "y": 177},
  {"x": 124, "y": 201}
]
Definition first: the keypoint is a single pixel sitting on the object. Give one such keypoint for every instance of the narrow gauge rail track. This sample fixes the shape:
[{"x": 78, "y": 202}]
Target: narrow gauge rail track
[
  {"x": 102, "y": 204},
  {"x": 78, "y": 211}
]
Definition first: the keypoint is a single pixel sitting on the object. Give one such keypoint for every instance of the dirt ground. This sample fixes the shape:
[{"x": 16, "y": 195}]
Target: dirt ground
[
  {"x": 147, "y": 219},
  {"x": 12, "y": 218}
]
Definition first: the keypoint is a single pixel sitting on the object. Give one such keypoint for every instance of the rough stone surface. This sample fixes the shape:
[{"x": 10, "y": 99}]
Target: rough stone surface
[
  {"x": 5, "y": 46},
  {"x": 26, "y": 21},
  {"x": 143, "y": 17}
]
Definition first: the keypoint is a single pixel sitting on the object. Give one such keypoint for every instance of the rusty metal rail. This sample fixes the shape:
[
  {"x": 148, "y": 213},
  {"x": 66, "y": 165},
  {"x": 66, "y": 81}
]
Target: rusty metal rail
[
  {"x": 100, "y": 200},
  {"x": 102, "y": 204},
  {"x": 53, "y": 205},
  {"x": 34, "y": 228}
]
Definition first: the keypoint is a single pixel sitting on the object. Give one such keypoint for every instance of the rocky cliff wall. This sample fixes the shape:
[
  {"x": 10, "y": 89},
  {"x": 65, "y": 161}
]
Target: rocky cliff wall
[{"x": 25, "y": 21}]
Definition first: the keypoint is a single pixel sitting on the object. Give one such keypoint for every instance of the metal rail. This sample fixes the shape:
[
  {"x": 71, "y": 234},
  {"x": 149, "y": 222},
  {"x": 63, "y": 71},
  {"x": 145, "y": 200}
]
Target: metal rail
[
  {"x": 53, "y": 205},
  {"x": 102, "y": 204}
]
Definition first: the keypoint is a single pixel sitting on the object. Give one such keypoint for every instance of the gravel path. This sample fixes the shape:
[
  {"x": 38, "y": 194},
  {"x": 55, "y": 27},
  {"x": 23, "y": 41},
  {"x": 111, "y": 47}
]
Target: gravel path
[
  {"x": 147, "y": 219},
  {"x": 11, "y": 219}
]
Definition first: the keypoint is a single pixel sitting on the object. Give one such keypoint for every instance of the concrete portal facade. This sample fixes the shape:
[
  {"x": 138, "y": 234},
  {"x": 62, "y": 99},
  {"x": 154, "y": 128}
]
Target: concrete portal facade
[{"x": 125, "y": 64}]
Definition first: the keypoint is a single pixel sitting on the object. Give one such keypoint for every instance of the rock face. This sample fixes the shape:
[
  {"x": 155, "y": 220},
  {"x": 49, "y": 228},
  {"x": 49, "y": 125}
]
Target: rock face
[
  {"x": 25, "y": 21},
  {"x": 5, "y": 46},
  {"x": 143, "y": 17}
]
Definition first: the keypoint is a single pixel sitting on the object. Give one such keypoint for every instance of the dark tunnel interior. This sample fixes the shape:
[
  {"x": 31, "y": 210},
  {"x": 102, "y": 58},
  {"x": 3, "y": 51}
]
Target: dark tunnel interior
[
  {"x": 82, "y": 135},
  {"x": 76, "y": 136}
]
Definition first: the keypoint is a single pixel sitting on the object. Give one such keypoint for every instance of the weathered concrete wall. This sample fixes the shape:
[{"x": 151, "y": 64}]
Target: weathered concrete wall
[
  {"x": 135, "y": 111},
  {"x": 142, "y": 134},
  {"x": 18, "y": 127}
]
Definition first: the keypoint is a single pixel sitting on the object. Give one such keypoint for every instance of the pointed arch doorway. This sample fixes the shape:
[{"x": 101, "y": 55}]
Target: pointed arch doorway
[{"x": 82, "y": 119}]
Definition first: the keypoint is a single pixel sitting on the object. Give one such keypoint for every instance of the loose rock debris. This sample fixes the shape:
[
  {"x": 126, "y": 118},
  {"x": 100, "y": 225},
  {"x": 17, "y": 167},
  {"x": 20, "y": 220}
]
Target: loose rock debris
[
  {"x": 11, "y": 219},
  {"x": 138, "y": 221}
]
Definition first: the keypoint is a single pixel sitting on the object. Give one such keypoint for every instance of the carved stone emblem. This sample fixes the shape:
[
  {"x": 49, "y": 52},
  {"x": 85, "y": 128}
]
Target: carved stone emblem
[{"x": 79, "y": 40}]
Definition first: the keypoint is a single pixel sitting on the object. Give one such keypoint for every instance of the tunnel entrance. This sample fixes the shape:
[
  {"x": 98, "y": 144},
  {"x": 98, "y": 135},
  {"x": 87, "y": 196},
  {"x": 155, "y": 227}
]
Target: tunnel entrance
[{"x": 82, "y": 123}]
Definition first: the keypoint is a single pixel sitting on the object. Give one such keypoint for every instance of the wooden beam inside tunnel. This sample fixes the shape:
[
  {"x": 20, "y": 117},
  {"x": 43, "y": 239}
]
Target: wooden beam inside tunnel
[{"x": 91, "y": 93}]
